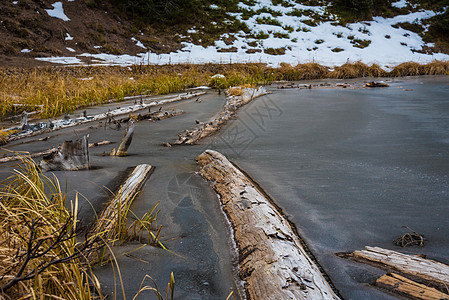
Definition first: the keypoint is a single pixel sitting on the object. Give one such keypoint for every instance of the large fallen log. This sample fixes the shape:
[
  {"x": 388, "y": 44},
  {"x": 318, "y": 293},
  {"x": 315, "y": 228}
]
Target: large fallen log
[
  {"x": 273, "y": 262},
  {"x": 71, "y": 155},
  {"x": 422, "y": 269},
  {"x": 408, "y": 288},
  {"x": 233, "y": 103},
  {"x": 122, "y": 199}
]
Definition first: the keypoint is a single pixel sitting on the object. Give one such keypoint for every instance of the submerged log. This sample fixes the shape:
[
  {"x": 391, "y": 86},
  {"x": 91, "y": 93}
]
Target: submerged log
[
  {"x": 126, "y": 141},
  {"x": 273, "y": 262},
  {"x": 122, "y": 199},
  {"x": 71, "y": 155},
  {"x": 422, "y": 269},
  {"x": 403, "y": 286}
]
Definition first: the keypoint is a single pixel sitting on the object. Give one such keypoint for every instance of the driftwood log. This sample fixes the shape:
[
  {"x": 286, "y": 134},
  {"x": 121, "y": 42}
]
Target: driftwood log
[
  {"x": 123, "y": 197},
  {"x": 122, "y": 149},
  {"x": 273, "y": 262},
  {"x": 408, "y": 288},
  {"x": 71, "y": 155},
  {"x": 233, "y": 103},
  {"x": 419, "y": 268}
]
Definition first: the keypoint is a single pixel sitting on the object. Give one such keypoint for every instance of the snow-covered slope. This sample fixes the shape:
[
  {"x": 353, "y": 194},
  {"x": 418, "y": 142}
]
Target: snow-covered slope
[{"x": 293, "y": 35}]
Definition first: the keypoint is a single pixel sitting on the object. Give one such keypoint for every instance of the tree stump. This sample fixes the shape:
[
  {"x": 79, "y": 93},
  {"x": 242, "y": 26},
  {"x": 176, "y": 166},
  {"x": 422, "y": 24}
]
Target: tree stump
[
  {"x": 126, "y": 141},
  {"x": 71, "y": 155}
]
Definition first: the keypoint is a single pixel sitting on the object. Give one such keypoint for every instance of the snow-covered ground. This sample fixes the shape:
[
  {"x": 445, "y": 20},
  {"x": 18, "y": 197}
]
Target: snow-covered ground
[{"x": 375, "y": 41}]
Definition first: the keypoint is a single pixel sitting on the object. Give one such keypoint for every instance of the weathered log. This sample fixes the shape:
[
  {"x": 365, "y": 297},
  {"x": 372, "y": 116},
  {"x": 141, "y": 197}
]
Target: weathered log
[
  {"x": 403, "y": 286},
  {"x": 71, "y": 155},
  {"x": 273, "y": 262},
  {"x": 123, "y": 197},
  {"x": 233, "y": 103},
  {"x": 425, "y": 270},
  {"x": 126, "y": 141}
]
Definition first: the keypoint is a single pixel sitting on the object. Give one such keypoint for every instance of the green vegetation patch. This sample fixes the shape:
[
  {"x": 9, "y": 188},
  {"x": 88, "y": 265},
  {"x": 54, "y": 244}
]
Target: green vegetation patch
[
  {"x": 414, "y": 27},
  {"x": 358, "y": 43},
  {"x": 268, "y": 21}
]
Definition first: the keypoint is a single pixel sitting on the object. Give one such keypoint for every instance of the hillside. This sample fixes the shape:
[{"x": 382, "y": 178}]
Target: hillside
[{"x": 273, "y": 31}]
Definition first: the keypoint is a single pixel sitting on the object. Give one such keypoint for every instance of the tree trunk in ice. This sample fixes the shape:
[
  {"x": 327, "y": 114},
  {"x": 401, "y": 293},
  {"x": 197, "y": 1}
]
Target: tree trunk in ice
[
  {"x": 126, "y": 141},
  {"x": 71, "y": 155}
]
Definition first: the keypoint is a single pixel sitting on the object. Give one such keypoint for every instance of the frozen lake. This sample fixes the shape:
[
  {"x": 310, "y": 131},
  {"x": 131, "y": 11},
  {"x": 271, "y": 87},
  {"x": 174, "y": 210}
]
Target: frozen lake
[{"x": 348, "y": 166}]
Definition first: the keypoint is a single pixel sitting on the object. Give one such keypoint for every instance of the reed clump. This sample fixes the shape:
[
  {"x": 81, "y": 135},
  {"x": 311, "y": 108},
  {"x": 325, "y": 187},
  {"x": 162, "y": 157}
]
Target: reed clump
[{"x": 41, "y": 255}]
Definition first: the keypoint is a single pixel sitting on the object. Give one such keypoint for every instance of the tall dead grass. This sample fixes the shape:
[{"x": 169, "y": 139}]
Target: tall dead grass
[
  {"x": 57, "y": 90},
  {"x": 40, "y": 253}
]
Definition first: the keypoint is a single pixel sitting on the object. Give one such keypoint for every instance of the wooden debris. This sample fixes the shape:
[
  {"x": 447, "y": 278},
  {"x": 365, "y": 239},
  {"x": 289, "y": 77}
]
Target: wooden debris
[
  {"x": 233, "y": 103},
  {"x": 155, "y": 116},
  {"x": 411, "y": 289},
  {"x": 376, "y": 84},
  {"x": 273, "y": 262},
  {"x": 419, "y": 268},
  {"x": 46, "y": 152},
  {"x": 289, "y": 85},
  {"x": 102, "y": 143},
  {"x": 123, "y": 197},
  {"x": 410, "y": 239},
  {"x": 126, "y": 141},
  {"x": 71, "y": 155},
  {"x": 42, "y": 127},
  {"x": 343, "y": 85},
  {"x": 26, "y": 154}
]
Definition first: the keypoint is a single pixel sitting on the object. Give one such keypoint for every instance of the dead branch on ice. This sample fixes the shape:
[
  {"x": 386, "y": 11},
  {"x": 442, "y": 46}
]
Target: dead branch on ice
[{"x": 273, "y": 263}]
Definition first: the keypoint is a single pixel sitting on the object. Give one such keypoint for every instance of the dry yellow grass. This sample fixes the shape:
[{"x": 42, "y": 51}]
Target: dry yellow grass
[
  {"x": 40, "y": 256},
  {"x": 57, "y": 90}
]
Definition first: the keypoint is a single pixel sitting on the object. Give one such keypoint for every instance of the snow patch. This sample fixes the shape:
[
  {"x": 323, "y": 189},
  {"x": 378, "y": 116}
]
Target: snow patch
[
  {"x": 26, "y": 50},
  {"x": 400, "y": 4},
  {"x": 332, "y": 45},
  {"x": 68, "y": 37},
  {"x": 70, "y": 49},
  {"x": 138, "y": 43},
  {"x": 57, "y": 11}
]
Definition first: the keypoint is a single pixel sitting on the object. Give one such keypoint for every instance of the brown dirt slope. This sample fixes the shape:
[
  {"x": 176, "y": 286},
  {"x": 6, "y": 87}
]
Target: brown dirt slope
[{"x": 25, "y": 24}]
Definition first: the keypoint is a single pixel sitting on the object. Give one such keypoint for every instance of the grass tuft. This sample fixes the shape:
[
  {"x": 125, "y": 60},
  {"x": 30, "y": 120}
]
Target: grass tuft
[{"x": 40, "y": 254}]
